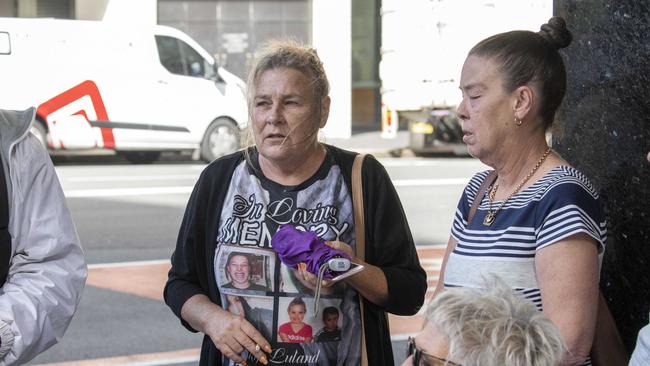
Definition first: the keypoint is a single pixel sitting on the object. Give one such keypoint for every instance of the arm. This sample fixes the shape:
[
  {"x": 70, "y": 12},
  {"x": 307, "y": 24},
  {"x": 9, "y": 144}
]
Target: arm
[
  {"x": 230, "y": 333},
  {"x": 47, "y": 270},
  {"x": 186, "y": 288},
  {"x": 370, "y": 282},
  {"x": 567, "y": 274}
]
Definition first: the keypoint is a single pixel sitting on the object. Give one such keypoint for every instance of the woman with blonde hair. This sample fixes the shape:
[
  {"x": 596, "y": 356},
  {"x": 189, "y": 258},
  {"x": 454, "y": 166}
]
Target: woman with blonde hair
[{"x": 290, "y": 178}]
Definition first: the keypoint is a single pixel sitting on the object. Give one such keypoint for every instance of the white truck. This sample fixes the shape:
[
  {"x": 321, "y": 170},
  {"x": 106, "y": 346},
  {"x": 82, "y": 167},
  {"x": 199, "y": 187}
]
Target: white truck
[
  {"x": 137, "y": 90},
  {"x": 423, "y": 46}
]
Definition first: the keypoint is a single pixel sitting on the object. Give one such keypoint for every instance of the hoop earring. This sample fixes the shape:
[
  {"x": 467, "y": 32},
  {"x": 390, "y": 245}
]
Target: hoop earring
[{"x": 518, "y": 121}]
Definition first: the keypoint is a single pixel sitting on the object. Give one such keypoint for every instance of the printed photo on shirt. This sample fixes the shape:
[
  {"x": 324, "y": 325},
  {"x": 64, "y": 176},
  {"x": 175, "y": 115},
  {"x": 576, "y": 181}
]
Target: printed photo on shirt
[
  {"x": 331, "y": 325},
  {"x": 242, "y": 270},
  {"x": 299, "y": 324},
  {"x": 257, "y": 310}
]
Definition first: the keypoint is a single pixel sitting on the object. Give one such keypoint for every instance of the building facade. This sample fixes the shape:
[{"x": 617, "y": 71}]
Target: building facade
[{"x": 345, "y": 33}]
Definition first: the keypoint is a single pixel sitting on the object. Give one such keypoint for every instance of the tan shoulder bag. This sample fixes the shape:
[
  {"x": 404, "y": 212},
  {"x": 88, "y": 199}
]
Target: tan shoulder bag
[{"x": 360, "y": 234}]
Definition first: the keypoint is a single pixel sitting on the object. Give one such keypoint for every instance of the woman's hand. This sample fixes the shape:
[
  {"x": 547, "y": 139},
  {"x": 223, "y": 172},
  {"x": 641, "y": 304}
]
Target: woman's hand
[
  {"x": 235, "y": 306},
  {"x": 233, "y": 334},
  {"x": 230, "y": 333},
  {"x": 309, "y": 279},
  {"x": 345, "y": 248}
]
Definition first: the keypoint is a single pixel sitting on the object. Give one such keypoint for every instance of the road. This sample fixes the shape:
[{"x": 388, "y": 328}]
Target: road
[{"x": 128, "y": 216}]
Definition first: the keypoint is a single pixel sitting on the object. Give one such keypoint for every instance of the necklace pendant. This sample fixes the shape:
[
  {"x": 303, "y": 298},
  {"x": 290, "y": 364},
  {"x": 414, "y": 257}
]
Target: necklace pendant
[{"x": 489, "y": 218}]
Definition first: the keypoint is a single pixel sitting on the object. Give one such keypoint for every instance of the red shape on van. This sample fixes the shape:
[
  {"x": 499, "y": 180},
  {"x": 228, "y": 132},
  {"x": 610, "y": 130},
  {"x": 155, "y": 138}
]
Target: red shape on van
[{"x": 89, "y": 88}]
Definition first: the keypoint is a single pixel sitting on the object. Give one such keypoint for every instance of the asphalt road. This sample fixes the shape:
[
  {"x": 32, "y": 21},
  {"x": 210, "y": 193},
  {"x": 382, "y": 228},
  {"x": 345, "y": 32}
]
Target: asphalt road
[{"x": 128, "y": 217}]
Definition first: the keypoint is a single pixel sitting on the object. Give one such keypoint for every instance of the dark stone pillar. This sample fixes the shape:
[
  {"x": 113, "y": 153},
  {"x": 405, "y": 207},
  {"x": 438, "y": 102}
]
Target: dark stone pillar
[{"x": 603, "y": 128}]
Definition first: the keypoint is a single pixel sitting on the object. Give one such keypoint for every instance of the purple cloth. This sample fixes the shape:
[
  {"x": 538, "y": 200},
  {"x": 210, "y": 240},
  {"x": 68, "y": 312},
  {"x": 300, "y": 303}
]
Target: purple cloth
[{"x": 294, "y": 246}]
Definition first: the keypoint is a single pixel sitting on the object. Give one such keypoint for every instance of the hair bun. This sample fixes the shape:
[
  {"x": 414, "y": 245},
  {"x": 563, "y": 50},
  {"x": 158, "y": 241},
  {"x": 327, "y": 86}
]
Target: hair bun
[{"x": 556, "y": 32}]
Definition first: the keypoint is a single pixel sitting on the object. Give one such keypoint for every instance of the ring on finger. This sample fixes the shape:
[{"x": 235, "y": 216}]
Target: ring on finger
[{"x": 257, "y": 348}]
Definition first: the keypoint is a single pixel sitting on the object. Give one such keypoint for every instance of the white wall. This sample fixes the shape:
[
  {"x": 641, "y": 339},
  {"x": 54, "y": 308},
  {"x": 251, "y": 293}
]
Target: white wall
[
  {"x": 122, "y": 11},
  {"x": 332, "y": 38},
  {"x": 426, "y": 42}
]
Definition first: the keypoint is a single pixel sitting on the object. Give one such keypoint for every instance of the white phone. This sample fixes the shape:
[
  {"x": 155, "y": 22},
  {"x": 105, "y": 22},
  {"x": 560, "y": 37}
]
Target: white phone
[{"x": 354, "y": 268}]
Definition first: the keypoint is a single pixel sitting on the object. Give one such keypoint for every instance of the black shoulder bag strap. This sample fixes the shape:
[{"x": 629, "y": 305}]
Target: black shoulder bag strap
[
  {"x": 482, "y": 190},
  {"x": 5, "y": 237}
]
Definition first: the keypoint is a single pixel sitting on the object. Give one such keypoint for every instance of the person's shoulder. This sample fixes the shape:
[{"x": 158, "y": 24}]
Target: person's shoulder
[
  {"x": 224, "y": 161},
  {"x": 566, "y": 180},
  {"x": 222, "y": 166}
]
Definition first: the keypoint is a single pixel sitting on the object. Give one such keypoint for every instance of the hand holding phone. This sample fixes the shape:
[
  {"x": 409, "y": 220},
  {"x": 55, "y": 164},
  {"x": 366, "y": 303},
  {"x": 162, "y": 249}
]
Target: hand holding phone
[{"x": 354, "y": 269}]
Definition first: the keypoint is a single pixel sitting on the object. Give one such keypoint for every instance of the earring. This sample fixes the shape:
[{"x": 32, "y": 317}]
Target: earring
[{"x": 518, "y": 121}]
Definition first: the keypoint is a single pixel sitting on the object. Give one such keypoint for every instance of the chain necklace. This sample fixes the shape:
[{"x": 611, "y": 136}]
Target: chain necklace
[{"x": 491, "y": 215}]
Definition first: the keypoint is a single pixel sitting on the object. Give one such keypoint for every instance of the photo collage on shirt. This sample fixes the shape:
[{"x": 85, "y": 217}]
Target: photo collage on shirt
[{"x": 247, "y": 280}]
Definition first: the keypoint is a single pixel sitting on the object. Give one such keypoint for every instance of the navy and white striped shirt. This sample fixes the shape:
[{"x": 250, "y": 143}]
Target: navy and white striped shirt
[{"x": 561, "y": 204}]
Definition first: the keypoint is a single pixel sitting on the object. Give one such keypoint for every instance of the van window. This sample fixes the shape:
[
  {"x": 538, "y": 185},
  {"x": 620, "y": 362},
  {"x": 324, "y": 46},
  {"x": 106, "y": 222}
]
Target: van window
[
  {"x": 170, "y": 54},
  {"x": 180, "y": 58}
]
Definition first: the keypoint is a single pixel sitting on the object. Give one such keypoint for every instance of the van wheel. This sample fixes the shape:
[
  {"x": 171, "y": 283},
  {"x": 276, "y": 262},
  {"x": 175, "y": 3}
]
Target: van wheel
[
  {"x": 40, "y": 132},
  {"x": 221, "y": 138},
  {"x": 141, "y": 157}
]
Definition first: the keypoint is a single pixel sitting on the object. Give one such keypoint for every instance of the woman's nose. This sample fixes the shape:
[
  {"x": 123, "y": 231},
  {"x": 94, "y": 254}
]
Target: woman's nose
[
  {"x": 275, "y": 115},
  {"x": 461, "y": 111}
]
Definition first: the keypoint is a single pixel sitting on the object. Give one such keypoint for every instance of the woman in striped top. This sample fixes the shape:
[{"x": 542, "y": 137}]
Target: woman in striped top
[{"x": 539, "y": 225}]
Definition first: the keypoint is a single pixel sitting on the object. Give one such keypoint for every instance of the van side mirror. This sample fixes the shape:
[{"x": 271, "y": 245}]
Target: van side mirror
[{"x": 217, "y": 77}]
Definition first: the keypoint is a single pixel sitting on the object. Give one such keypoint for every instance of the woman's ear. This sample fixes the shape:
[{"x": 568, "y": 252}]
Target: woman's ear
[
  {"x": 523, "y": 103},
  {"x": 324, "y": 111}
]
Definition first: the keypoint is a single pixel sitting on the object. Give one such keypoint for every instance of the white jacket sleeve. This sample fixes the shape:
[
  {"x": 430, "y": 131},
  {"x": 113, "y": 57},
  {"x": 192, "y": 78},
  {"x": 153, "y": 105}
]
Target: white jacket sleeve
[{"x": 47, "y": 270}]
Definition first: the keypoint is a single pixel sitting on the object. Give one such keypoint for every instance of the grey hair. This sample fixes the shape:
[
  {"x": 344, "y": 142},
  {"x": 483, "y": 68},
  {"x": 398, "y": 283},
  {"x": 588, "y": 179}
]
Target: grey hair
[
  {"x": 494, "y": 326},
  {"x": 292, "y": 55},
  {"x": 289, "y": 54}
]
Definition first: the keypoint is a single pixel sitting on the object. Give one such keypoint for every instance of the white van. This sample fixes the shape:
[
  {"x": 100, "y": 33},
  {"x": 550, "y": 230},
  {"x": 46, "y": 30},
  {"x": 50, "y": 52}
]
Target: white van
[{"x": 138, "y": 90}]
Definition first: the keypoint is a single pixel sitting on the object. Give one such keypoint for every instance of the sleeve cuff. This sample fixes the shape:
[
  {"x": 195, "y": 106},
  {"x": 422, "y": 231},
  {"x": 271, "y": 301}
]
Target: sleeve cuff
[{"x": 7, "y": 338}]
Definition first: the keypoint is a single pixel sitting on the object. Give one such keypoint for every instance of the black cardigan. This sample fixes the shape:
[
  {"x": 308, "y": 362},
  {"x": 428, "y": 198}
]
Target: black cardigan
[{"x": 389, "y": 246}]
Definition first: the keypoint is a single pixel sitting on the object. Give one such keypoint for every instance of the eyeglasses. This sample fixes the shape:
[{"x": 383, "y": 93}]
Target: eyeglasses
[{"x": 421, "y": 358}]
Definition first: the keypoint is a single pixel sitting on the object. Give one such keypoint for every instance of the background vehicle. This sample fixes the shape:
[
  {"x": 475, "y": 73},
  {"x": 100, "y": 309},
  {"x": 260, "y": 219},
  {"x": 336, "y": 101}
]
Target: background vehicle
[
  {"x": 138, "y": 90},
  {"x": 440, "y": 131},
  {"x": 424, "y": 45}
]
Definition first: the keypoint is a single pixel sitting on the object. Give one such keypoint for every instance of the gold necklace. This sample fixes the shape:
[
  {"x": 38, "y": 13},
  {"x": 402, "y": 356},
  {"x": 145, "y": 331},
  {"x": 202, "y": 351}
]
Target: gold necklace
[{"x": 491, "y": 215}]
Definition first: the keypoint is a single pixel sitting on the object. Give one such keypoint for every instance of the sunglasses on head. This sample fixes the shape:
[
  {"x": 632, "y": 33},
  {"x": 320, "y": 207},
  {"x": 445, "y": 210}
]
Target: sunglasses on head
[{"x": 422, "y": 358}]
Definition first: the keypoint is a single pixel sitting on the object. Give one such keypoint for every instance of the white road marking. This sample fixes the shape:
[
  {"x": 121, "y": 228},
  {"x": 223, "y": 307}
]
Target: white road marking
[
  {"x": 430, "y": 182},
  {"x": 129, "y": 264},
  {"x": 117, "y": 192},
  {"x": 131, "y": 178},
  {"x": 149, "y": 191}
]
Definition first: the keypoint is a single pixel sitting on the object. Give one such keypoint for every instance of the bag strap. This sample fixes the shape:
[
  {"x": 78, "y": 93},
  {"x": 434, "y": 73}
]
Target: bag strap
[
  {"x": 360, "y": 234},
  {"x": 482, "y": 190},
  {"x": 607, "y": 348},
  {"x": 357, "y": 204}
]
